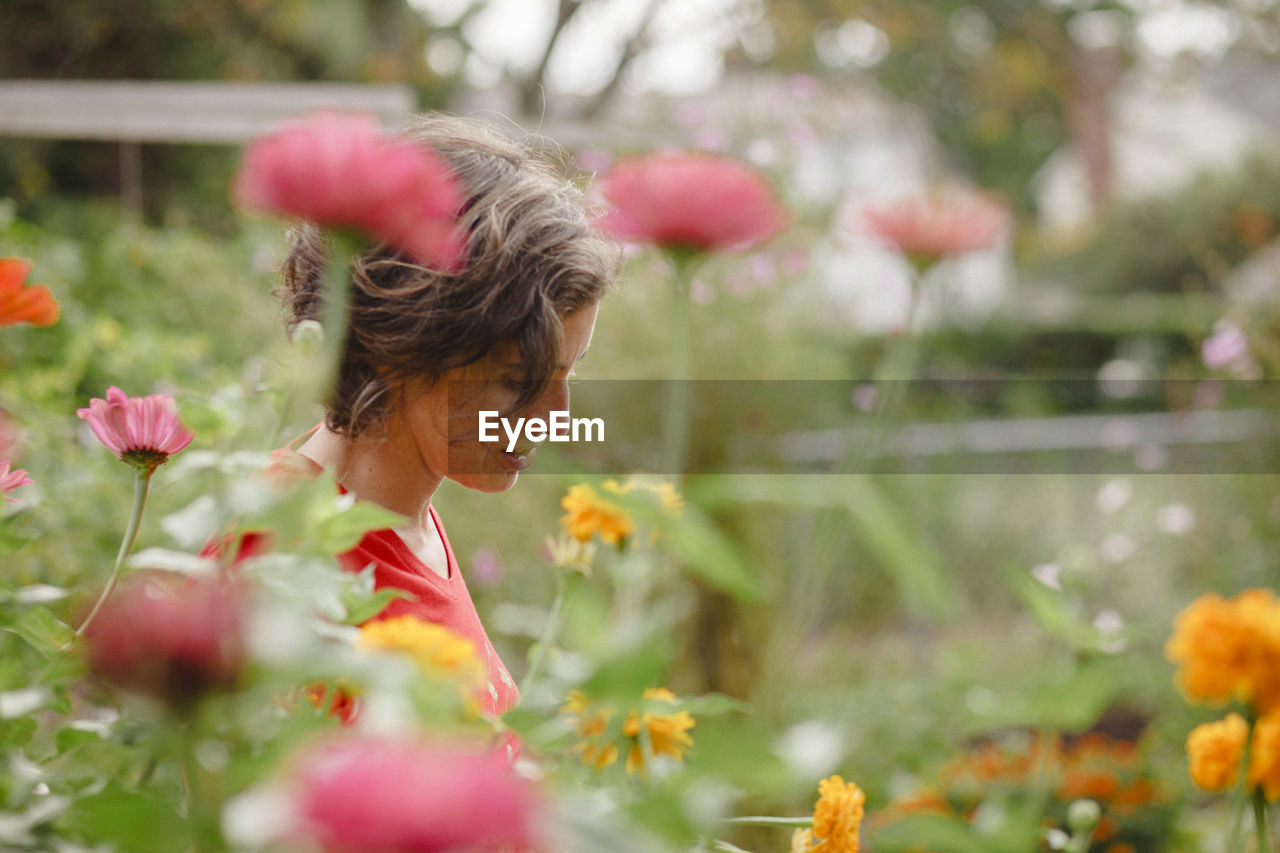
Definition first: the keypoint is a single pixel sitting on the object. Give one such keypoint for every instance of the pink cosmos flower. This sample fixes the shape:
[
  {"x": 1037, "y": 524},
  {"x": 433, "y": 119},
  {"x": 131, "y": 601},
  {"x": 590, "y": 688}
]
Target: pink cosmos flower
[
  {"x": 939, "y": 226},
  {"x": 143, "y": 431},
  {"x": 364, "y": 793},
  {"x": 690, "y": 201},
  {"x": 10, "y": 480},
  {"x": 159, "y": 636},
  {"x": 340, "y": 170}
]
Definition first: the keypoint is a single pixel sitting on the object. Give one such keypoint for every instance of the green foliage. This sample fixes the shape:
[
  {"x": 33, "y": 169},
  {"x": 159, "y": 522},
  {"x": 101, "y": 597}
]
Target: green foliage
[{"x": 1183, "y": 242}]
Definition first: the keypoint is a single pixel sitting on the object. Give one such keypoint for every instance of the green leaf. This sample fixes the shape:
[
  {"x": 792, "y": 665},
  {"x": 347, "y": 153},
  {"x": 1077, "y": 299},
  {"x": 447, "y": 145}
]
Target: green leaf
[
  {"x": 342, "y": 528},
  {"x": 361, "y": 609},
  {"x": 932, "y": 832},
  {"x": 14, "y": 734},
  {"x": 130, "y": 821},
  {"x": 883, "y": 528},
  {"x": 712, "y": 705},
  {"x": 45, "y": 632},
  {"x": 707, "y": 552}
]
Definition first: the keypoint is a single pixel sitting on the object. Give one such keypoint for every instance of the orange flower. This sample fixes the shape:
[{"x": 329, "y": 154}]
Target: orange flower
[
  {"x": 437, "y": 650},
  {"x": 1229, "y": 649},
  {"x": 33, "y": 304},
  {"x": 588, "y": 514},
  {"x": 590, "y": 722},
  {"x": 667, "y": 734},
  {"x": 837, "y": 816},
  {"x": 1214, "y": 751},
  {"x": 1264, "y": 757}
]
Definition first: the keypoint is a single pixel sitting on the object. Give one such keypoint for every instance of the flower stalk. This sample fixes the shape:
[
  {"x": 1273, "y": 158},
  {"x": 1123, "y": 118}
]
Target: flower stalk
[
  {"x": 550, "y": 630},
  {"x": 675, "y": 428},
  {"x": 141, "y": 487}
]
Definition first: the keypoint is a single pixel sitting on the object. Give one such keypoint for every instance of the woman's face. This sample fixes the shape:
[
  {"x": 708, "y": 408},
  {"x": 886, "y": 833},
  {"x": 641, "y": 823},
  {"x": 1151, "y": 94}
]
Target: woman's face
[{"x": 442, "y": 422}]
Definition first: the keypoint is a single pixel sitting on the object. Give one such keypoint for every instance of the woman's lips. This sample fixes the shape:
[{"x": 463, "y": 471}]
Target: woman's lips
[{"x": 516, "y": 461}]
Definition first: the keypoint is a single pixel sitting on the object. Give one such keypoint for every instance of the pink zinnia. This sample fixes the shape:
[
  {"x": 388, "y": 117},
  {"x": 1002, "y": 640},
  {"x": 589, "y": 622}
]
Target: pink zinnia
[
  {"x": 10, "y": 480},
  {"x": 366, "y": 793},
  {"x": 942, "y": 225},
  {"x": 691, "y": 202},
  {"x": 161, "y": 637},
  {"x": 143, "y": 431},
  {"x": 340, "y": 170}
]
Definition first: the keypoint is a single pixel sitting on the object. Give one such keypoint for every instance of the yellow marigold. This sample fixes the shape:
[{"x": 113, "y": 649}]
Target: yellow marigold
[
  {"x": 662, "y": 734},
  {"x": 439, "y": 651},
  {"x": 801, "y": 841},
  {"x": 590, "y": 722},
  {"x": 567, "y": 552},
  {"x": 588, "y": 514},
  {"x": 1214, "y": 751},
  {"x": 837, "y": 816},
  {"x": 1229, "y": 649},
  {"x": 1264, "y": 756}
]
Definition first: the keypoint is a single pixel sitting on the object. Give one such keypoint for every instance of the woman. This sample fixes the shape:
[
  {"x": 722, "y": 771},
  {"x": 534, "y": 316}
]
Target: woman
[{"x": 426, "y": 350}]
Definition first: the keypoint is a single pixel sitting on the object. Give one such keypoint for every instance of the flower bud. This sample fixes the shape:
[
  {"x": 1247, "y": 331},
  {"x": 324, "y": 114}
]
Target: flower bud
[{"x": 1083, "y": 816}]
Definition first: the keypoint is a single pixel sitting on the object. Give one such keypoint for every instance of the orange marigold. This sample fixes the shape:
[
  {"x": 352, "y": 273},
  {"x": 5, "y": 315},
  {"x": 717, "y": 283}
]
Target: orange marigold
[
  {"x": 1214, "y": 751},
  {"x": 1264, "y": 756},
  {"x": 837, "y": 816},
  {"x": 1229, "y": 649}
]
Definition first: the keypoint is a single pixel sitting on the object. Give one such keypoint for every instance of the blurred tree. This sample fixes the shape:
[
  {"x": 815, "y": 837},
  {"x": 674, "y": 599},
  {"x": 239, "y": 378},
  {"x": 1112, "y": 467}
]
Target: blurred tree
[{"x": 1004, "y": 82}]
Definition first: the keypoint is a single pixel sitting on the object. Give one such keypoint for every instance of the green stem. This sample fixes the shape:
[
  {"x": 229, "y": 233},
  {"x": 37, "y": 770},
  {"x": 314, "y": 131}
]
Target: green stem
[
  {"x": 766, "y": 820},
  {"x": 676, "y": 419},
  {"x": 1260, "y": 821},
  {"x": 549, "y": 631},
  {"x": 141, "y": 485}
]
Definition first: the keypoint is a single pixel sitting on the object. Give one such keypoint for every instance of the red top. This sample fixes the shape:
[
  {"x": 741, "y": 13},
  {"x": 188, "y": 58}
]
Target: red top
[{"x": 444, "y": 601}]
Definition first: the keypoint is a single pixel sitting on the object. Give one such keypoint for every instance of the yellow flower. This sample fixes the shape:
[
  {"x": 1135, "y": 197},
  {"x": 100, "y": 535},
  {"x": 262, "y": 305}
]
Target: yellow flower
[
  {"x": 588, "y": 514},
  {"x": 669, "y": 499},
  {"x": 1214, "y": 751},
  {"x": 568, "y": 553},
  {"x": 1229, "y": 649},
  {"x": 666, "y": 734},
  {"x": 439, "y": 651},
  {"x": 1264, "y": 756},
  {"x": 837, "y": 816},
  {"x": 801, "y": 841},
  {"x": 590, "y": 722}
]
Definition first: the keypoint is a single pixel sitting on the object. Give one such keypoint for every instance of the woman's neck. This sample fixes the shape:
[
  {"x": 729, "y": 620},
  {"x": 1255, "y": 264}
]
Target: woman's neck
[{"x": 382, "y": 469}]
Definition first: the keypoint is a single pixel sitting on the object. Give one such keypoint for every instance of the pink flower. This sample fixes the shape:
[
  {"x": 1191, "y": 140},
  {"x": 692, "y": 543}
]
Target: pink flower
[
  {"x": 1228, "y": 349},
  {"x": 143, "y": 431},
  {"x": 160, "y": 637},
  {"x": 340, "y": 170},
  {"x": 365, "y": 793},
  {"x": 942, "y": 225},
  {"x": 10, "y": 480},
  {"x": 688, "y": 201}
]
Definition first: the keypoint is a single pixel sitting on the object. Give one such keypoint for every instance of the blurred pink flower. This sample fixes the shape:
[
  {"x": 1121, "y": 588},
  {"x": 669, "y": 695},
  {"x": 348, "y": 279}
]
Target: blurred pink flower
[
  {"x": 939, "y": 226},
  {"x": 1227, "y": 348},
  {"x": 340, "y": 170},
  {"x": 365, "y": 793},
  {"x": 142, "y": 431},
  {"x": 687, "y": 201},
  {"x": 160, "y": 637},
  {"x": 10, "y": 480}
]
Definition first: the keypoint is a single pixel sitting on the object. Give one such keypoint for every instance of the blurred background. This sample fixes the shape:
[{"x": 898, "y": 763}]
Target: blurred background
[{"x": 897, "y": 617}]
